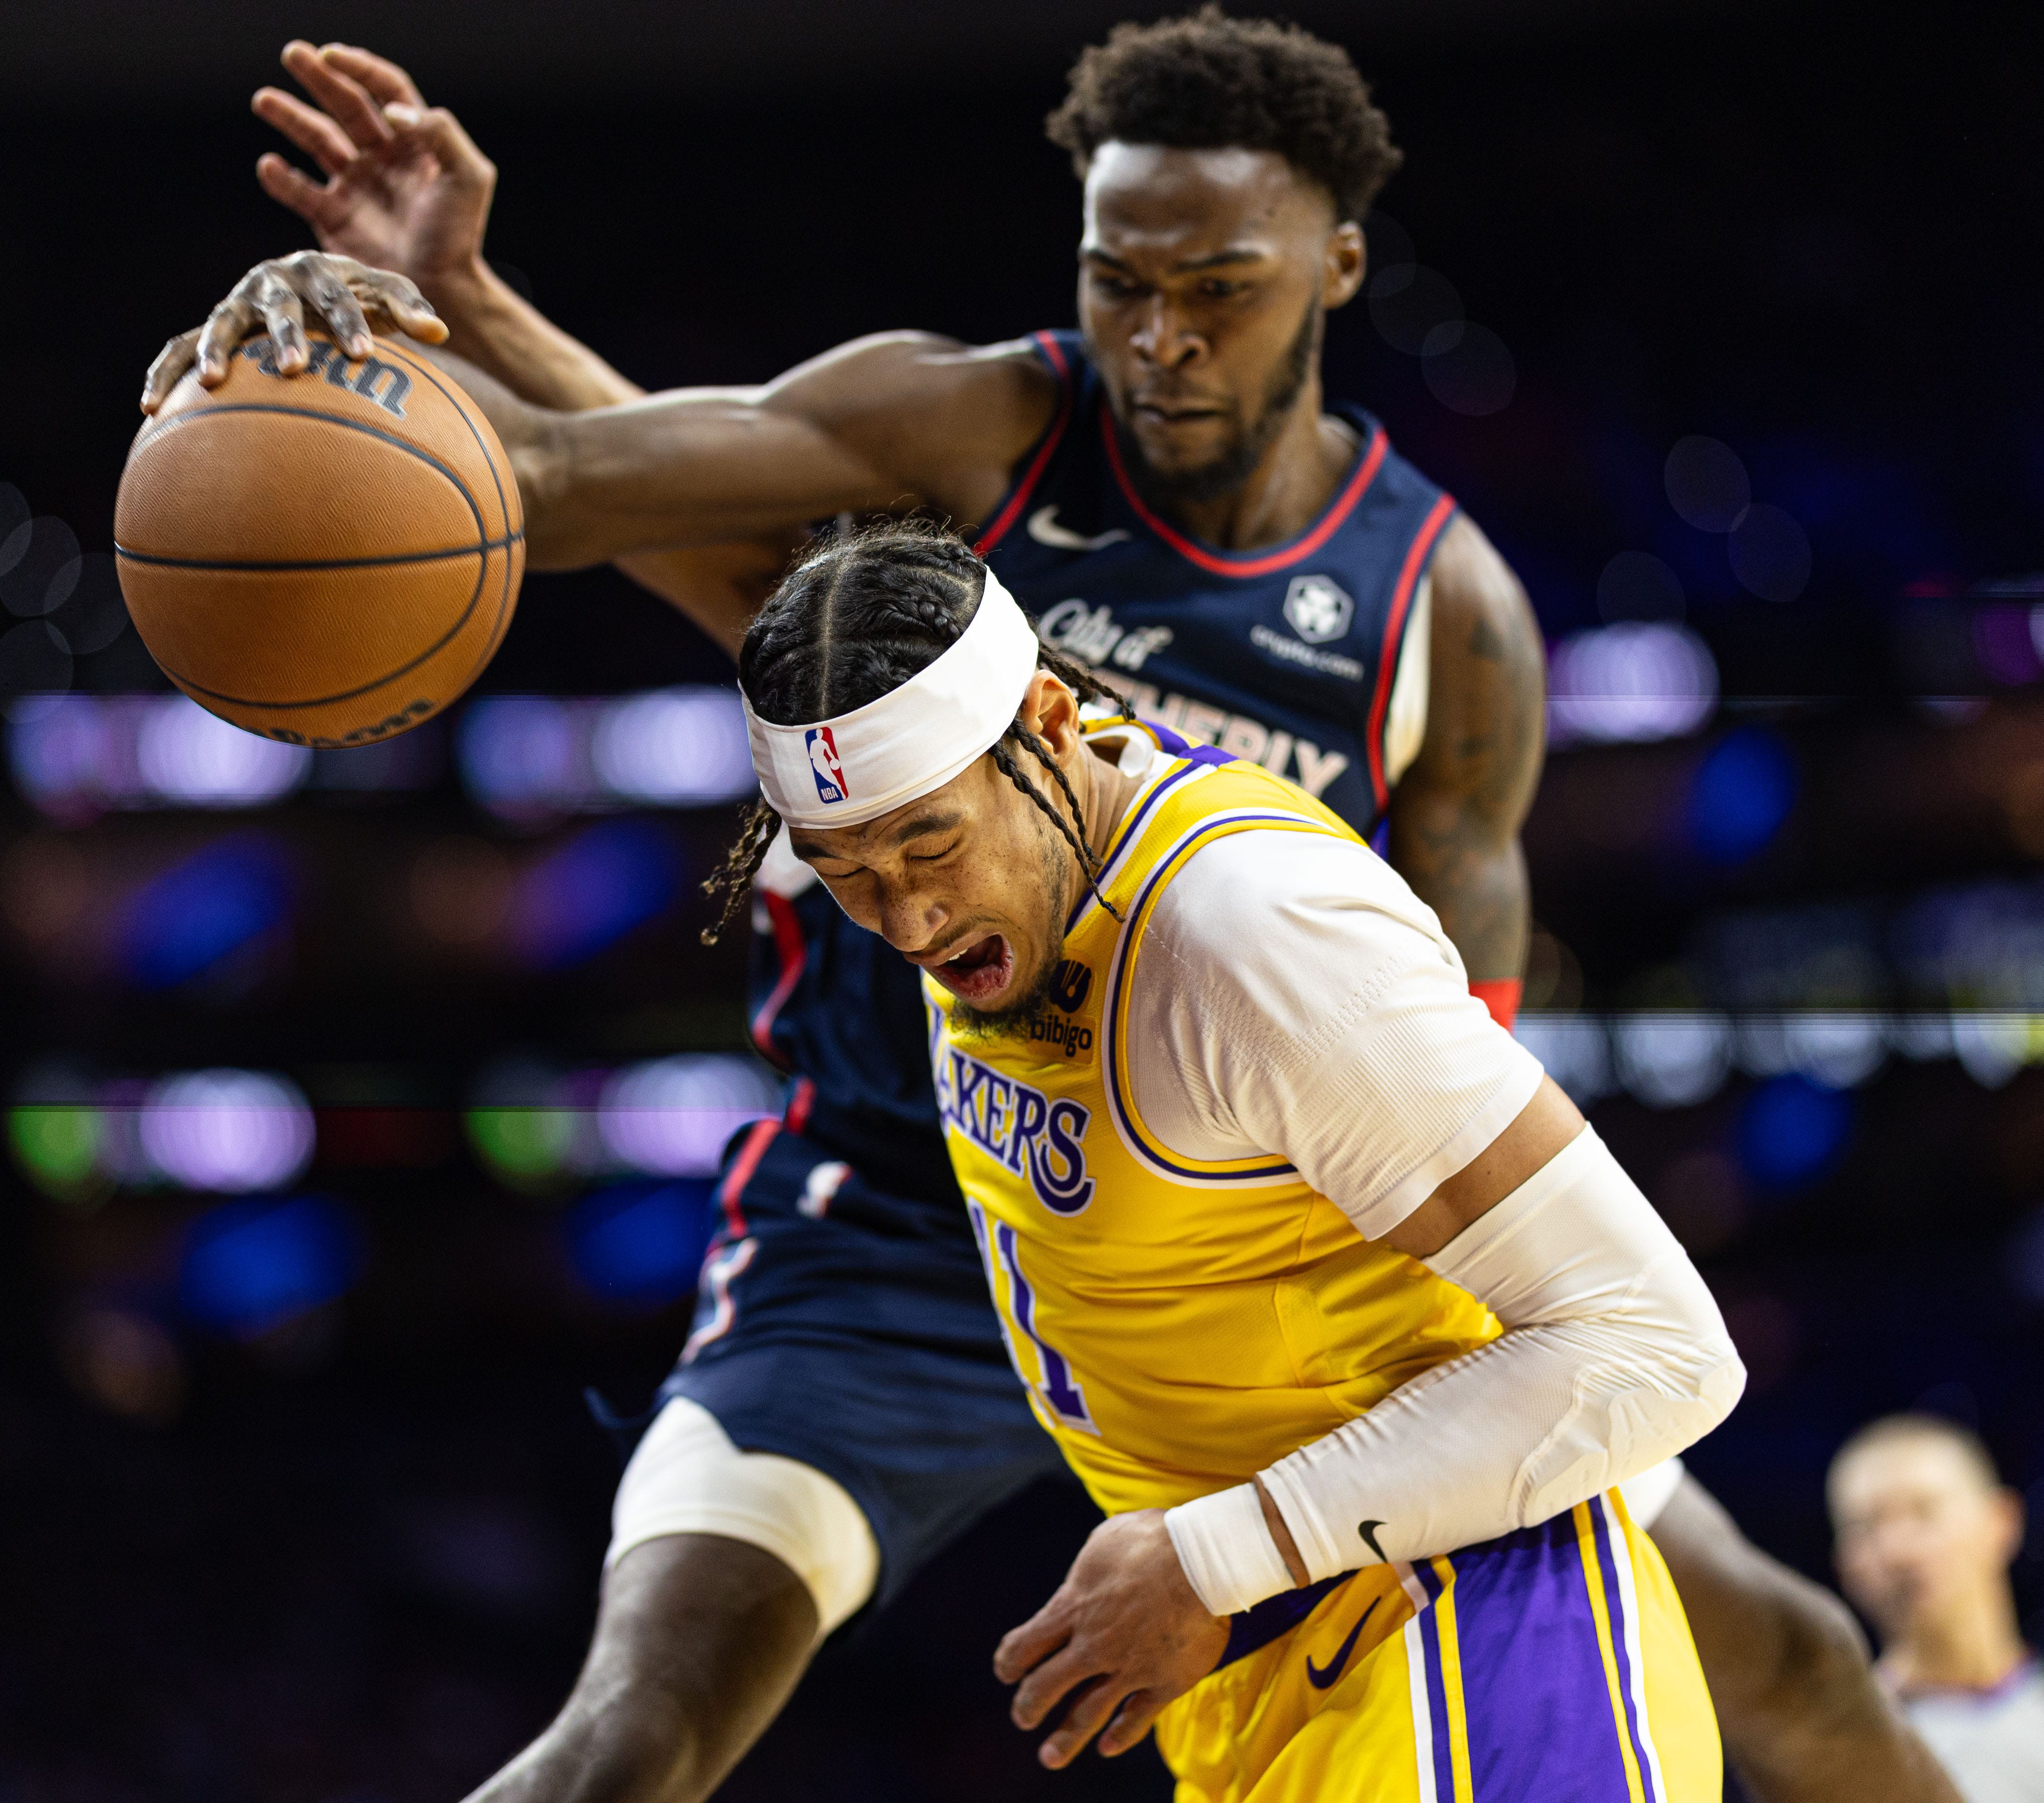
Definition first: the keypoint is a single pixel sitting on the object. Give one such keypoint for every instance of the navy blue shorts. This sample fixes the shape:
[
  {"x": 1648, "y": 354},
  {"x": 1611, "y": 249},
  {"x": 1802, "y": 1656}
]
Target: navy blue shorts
[{"x": 850, "y": 1328}]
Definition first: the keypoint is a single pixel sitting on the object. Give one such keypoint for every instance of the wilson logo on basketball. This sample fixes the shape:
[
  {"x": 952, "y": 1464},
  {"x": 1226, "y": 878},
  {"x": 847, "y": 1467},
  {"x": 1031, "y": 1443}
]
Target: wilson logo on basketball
[
  {"x": 825, "y": 765},
  {"x": 325, "y": 358}
]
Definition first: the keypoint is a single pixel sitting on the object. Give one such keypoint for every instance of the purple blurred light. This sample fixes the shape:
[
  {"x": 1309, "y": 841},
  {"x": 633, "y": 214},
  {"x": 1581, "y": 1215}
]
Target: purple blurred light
[
  {"x": 2003, "y": 641},
  {"x": 684, "y": 748},
  {"x": 74, "y": 753},
  {"x": 184, "y": 753},
  {"x": 671, "y": 1118},
  {"x": 227, "y": 1130},
  {"x": 520, "y": 754},
  {"x": 1635, "y": 682}
]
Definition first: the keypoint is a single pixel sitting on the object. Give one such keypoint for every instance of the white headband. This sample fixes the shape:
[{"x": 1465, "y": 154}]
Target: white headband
[{"x": 913, "y": 739}]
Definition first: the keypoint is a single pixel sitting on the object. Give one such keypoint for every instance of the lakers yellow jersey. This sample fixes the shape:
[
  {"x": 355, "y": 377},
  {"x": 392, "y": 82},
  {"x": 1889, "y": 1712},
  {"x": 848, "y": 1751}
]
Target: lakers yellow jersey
[{"x": 1181, "y": 1324}]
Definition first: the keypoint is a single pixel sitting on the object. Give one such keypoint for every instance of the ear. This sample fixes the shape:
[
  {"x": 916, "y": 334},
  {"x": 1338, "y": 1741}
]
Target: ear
[
  {"x": 2009, "y": 1518},
  {"x": 1346, "y": 261},
  {"x": 1051, "y": 711}
]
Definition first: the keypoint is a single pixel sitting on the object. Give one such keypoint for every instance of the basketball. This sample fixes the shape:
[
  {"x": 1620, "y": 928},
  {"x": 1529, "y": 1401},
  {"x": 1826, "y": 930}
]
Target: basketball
[{"x": 325, "y": 559}]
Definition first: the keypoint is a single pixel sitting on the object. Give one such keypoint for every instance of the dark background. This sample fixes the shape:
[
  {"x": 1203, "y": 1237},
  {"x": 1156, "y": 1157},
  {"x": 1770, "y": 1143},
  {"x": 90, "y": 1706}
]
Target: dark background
[{"x": 348, "y": 1552}]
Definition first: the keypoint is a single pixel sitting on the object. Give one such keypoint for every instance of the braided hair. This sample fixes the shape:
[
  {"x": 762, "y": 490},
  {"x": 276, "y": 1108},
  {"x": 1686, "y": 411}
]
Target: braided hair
[{"x": 856, "y": 618}]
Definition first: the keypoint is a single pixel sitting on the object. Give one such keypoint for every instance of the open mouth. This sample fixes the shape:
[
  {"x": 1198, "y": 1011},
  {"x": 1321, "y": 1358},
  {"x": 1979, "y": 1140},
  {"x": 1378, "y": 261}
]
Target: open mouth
[{"x": 980, "y": 972}]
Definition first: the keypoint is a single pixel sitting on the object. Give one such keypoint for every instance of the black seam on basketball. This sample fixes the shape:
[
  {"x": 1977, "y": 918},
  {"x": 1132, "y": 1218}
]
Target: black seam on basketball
[
  {"x": 454, "y": 397},
  {"x": 489, "y": 545},
  {"x": 482, "y": 528},
  {"x": 440, "y": 644},
  {"x": 496, "y": 633}
]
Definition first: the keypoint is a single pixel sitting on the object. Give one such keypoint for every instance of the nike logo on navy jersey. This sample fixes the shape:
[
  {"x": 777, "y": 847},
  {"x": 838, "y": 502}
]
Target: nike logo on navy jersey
[
  {"x": 1043, "y": 528},
  {"x": 1320, "y": 1677}
]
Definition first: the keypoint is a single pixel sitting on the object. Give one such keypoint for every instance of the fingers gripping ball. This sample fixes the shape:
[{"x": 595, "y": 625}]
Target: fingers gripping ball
[{"x": 326, "y": 559}]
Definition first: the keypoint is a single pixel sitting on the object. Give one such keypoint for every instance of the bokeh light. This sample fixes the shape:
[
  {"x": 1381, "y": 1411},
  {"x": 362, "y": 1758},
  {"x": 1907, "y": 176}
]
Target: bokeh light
[
  {"x": 538, "y": 1129},
  {"x": 57, "y": 1144},
  {"x": 1408, "y": 301},
  {"x": 1468, "y": 368},
  {"x": 73, "y": 756},
  {"x": 188, "y": 756},
  {"x": 249, "y": 1266},
  {"x": 587, "y": 895},
  {"x": 1636, "y": 585},
  {"x": 228, "y": 1130},
  {"x": 680, "y": 748},
  {"x": 640, "y": 1243},
  {"x": 1744, "y": 791},
  {"x": 1635, "y": 681},
  {"x": 674, "y": 1117},
  {"x": 124, "y": 1362},
  {"x": 1672, "y": 1060},
  {"x": 186, "y": 922},
  {"x": 1770, "y": 553},
  {"x": 1793, "y": 1132},
  {"x": 683, "y": 748},
  {"x": 1707, "y": 483}
]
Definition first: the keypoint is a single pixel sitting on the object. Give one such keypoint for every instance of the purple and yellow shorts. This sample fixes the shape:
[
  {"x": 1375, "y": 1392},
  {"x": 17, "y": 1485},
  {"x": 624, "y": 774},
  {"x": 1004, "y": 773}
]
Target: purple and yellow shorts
[{"x": 1552, "y": 1666}]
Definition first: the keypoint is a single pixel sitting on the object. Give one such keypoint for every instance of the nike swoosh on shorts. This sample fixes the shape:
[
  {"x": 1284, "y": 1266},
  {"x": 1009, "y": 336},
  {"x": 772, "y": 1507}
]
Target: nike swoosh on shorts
[{"x": 1320, "y": 1677}]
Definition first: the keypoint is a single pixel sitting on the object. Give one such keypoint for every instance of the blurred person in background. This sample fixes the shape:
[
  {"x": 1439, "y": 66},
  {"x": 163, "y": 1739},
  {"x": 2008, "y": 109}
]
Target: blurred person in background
[
  {"x": 1926, "y": 1533},
  {"x": 1408, "y": 682}
]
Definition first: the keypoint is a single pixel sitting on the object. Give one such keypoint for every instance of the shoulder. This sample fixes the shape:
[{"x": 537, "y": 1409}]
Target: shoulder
[
  {"x": 1473, "y": 585},
  {"x": 1285, "y": 916}
]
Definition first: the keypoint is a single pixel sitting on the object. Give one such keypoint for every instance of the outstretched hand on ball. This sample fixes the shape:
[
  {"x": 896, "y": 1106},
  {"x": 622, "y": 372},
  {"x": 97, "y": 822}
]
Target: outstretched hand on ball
[{"x": 345, "y": 297}]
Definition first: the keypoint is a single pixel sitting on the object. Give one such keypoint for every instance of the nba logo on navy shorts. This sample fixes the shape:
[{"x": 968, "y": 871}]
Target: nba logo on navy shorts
[{"x": 823, "y": 765}]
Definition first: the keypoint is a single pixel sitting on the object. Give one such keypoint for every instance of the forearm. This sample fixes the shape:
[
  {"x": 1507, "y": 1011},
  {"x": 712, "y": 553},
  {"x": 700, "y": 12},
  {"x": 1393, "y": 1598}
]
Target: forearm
[
  {"x": 1614, "y": 1358},
  {"x": 498, "y": 330}
]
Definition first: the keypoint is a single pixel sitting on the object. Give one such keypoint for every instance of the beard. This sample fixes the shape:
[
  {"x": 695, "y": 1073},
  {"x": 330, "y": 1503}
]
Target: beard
[
  {"x": 1233, "y": 466},
  {"x": 1054, "y": 858}
]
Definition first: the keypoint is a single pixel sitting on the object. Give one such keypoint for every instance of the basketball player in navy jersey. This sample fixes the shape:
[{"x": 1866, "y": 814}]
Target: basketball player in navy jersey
[{"x": 1167, "y": 490}]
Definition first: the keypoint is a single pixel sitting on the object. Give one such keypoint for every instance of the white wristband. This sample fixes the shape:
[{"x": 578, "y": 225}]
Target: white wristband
[{"x": 1226, "y": 1548}]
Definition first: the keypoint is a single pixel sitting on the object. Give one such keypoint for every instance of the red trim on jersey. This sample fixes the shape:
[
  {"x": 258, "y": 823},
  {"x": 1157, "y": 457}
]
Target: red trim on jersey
[
  {"x": 740, "y": 1174},
  {"x": 794, "y": 951},
  {"x": 1500, "y": 995},
  {"x": 1010, "y": 510},
  {"x": 1387, "y": 663},
  {"x": 797, "y": 1117},
  {"x": 1338, "y": 509}
]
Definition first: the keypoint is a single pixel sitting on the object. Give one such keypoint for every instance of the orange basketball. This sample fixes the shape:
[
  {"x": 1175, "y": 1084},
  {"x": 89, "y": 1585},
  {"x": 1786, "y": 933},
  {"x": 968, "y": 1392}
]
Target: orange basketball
[{"x": 326, "y": 558}]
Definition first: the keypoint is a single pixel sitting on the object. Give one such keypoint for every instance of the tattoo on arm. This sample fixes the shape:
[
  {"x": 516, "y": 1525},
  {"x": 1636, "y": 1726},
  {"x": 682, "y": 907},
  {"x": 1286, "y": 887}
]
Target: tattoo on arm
[{"x": 1456, "y": 815}]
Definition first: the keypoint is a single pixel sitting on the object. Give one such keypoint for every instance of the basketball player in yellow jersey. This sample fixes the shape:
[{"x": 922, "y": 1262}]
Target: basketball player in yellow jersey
[{"x": 1346, "y": 1319}]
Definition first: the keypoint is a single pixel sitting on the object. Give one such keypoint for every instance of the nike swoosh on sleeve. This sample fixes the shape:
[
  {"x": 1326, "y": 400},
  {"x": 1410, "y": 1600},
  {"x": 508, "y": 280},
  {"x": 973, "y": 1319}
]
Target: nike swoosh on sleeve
[{"x": 1043, "y": 528}]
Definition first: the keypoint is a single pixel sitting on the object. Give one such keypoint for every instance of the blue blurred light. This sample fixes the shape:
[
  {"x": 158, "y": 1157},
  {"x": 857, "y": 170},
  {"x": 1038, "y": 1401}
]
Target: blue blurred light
[
  {"x": 636, "y": 1244},
  {"x": 592, "y": 891},
  {"x": 1793, "y": 1131},
  {"x": 1743, "y": 792},
  {"x": 252, "y": 1265},
  {"x": 186, "y": 920}
]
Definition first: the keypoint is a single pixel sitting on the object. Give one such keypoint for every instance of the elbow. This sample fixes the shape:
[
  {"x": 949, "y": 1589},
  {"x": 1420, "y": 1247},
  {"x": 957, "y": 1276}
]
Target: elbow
[{"x": 539, "y": 465}]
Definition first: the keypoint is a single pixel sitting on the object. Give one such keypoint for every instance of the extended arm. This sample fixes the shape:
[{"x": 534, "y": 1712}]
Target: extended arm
[{"x": 1456, "y": 814}]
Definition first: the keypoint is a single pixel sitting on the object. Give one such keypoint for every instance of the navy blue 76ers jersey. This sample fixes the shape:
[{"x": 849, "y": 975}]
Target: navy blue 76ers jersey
[{"x": 1284, "y": 656}]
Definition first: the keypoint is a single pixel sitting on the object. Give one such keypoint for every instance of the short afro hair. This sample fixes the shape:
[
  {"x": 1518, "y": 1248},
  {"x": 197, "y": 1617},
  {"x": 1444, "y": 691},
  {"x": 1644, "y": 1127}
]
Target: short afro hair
[{"x": 1209, "y": 82}]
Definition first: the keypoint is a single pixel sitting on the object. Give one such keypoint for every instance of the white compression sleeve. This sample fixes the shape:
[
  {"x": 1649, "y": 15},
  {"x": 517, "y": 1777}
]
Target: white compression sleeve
[{"x": 1614, "y": 1358}]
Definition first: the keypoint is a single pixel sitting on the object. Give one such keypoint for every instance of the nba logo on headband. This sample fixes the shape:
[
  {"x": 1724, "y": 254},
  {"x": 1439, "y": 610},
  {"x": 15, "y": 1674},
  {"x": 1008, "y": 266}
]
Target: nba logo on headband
[
  {"x": 825, "y": 767},
  {"x": 913, "y": 739}
]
